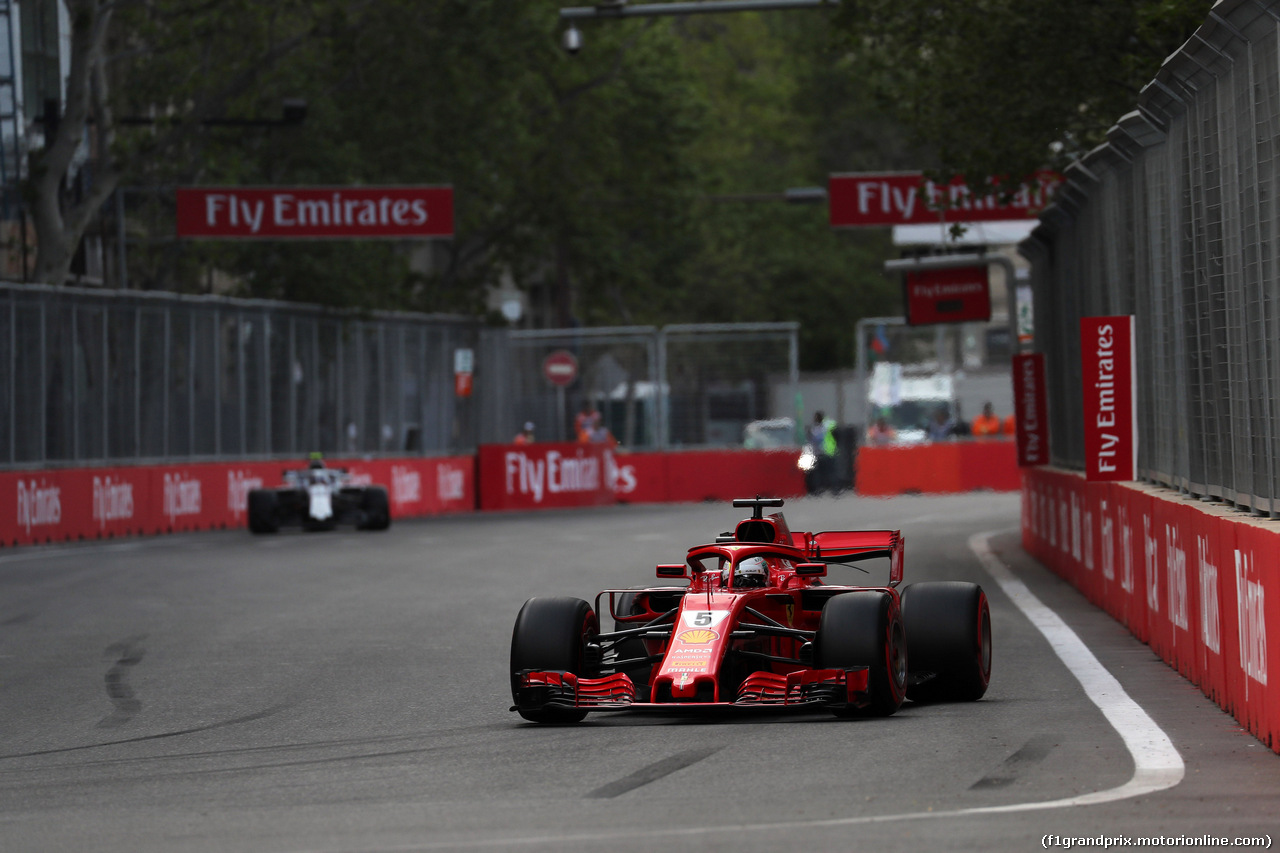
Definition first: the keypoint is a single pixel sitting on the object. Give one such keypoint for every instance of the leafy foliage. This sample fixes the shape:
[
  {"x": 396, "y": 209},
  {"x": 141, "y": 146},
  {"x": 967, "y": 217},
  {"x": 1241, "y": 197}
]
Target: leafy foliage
[
  {"x": 1004, "y": 87},
  {"x": 638, "y": 181},
  {"x": 600, "y": 182}
]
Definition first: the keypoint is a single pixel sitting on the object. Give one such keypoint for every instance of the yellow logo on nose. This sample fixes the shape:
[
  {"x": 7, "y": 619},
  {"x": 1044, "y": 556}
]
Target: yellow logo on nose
[{"x": 698, "y": 637}]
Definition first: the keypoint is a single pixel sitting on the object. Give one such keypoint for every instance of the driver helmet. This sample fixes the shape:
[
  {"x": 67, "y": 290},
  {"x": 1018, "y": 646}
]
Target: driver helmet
[
  {"x": 316, "y": 463},
  {"x": 751, "y": 573}
]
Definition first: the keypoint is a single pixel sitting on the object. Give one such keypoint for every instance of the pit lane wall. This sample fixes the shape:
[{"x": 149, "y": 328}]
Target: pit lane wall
[
  {"x": 934, "y": 468},
  {"x": 1197, "y": 582},
  {"x": 56, "y": 505}
]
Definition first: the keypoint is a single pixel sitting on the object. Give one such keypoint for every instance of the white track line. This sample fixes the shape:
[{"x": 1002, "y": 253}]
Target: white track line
[{"x": 1156, "y": 763}]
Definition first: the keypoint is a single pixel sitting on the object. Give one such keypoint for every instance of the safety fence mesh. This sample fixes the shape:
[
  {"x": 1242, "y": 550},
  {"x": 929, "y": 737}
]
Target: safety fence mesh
[
  {"x": 677, "y": 386},
  {"x": 1174, "y": 221},
  {"x": 101, "y": 376}
]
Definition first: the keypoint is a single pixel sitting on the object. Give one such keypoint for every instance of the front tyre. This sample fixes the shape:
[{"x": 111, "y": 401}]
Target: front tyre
[
  {"x": 948, "y": 640},
  {"x": 375, "y": 509},
  {"x": 864, "y": 628},
  {"x": 264, "y": 511},
  {"x": 551, "y": 634}
]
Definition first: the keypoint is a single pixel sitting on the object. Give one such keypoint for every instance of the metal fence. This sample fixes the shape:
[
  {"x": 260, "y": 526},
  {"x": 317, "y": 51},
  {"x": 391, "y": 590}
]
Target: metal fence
[
  {"x": 1175, "y": 221},
  {"x": 96, "y": 376},
  {"x": 678, "y": 386}
]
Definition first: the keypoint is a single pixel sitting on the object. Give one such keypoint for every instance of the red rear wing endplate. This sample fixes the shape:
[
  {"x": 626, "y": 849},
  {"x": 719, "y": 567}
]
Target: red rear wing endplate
[{"x": 843, "y": 545}]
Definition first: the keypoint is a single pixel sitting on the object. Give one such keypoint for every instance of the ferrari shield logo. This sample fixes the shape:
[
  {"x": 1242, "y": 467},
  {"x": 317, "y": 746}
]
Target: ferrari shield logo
[{"x": 791, "y": 614}]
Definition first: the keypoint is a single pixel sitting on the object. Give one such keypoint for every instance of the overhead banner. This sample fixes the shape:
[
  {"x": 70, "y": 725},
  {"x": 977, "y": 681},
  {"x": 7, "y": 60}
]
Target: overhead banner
[
  {"x": 315, "y": 213},
  {"x": 907, "y": 198},
  {"x": 1107, "y": 371},
  {"x": 960, "y": 295},
  {"x": 1031, "y": 409}
]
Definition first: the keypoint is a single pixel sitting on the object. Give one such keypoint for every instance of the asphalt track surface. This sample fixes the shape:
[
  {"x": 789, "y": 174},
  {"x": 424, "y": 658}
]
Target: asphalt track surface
[{"x": 348, "y": 692}]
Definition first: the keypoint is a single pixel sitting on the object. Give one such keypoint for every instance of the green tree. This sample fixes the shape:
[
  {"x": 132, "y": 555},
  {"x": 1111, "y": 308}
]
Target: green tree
[
  {"x": 165, "y": 59},
  {"x": 598, "y": 181},
  {"x": 1004, "y": 87},
  {"x": 783, "y": 111}
]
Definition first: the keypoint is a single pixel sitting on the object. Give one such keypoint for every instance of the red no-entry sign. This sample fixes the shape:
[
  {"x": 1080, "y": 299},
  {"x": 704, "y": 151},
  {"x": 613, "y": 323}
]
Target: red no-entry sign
[{"x": 560, "y": 368}]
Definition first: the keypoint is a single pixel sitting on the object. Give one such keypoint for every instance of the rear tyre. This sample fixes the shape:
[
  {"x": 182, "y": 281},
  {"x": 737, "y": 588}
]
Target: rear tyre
[
  {"x": 865, "y": 629},
  {"x": 948, "y": 641},
  {"x": 263, "y": 506},
  {"x": 375, "y": 509},
  {"x": 551, "y": 634}
]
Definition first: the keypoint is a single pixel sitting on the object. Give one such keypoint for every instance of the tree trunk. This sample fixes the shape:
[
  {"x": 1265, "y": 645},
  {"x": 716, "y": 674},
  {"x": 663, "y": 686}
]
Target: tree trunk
[{"x": 59, "y": 229}]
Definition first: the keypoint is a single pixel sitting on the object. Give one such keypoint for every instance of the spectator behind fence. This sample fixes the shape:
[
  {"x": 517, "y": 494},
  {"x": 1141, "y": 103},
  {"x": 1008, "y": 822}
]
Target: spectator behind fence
[
  {"x": 942, "y": 427},
  {"x": 601, "y": 435},
  {"x": 987, "y": 423},
  {"x": 881, "y": 433},
  {"x": 525, "y": 436},
  {"x": 587, "y": 422}
]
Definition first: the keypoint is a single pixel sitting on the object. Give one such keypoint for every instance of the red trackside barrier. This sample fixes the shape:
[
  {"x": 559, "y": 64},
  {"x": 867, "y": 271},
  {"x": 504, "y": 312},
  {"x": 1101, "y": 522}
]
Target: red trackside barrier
[
  {"x": 95, "y": 503},
  {"x": 535, "y": 476},
  {"x": 938, "y": 468},
  {"x": 1198, "y": 582}
]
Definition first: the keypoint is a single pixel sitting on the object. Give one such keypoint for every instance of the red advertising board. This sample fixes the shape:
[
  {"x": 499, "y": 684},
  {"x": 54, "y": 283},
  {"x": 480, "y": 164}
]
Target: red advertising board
[
  {"x": 1031, "y": 409},
  {"x": 1191, "y": 580},
  {"x": 937, "y": 468},
  {"x": 550, "y": 475},
  {"x": 907, "y": 198},
  {"x": 1253, "y": 580},
  {"x": 722, "y": 475},
  {"x": 98, "y": 503},
  {"x": 1107, "y": 371},
  {"x": 1133, "y": 506},
  {"x": 314, "y": 213},
  {"x": 959, "y": 295}
]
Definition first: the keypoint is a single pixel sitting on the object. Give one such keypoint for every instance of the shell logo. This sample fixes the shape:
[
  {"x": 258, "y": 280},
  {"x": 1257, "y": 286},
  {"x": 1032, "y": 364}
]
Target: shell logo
[{"x": 698, "y": 637}]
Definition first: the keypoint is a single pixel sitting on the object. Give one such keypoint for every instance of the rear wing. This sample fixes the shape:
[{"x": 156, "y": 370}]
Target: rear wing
[{"x": 846, "y": 546}]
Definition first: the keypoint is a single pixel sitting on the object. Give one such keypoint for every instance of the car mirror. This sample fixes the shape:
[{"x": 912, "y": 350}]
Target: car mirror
[
  {"x": 811, "y": 570},
  {"x": 673, "y": 570}
]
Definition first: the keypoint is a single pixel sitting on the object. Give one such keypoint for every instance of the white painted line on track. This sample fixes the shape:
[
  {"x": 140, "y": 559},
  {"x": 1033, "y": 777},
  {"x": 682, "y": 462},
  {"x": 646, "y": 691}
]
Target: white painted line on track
[
  {"x": 1157, "y": 765},
  {"x": 1156, "y": 762}
]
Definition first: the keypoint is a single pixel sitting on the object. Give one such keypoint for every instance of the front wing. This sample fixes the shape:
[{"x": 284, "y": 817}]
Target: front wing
[{"x": 830, "y": 688}]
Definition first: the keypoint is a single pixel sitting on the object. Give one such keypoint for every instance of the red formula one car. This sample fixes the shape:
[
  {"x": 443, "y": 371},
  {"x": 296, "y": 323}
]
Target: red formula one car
[{"x": 756, "y": 625}]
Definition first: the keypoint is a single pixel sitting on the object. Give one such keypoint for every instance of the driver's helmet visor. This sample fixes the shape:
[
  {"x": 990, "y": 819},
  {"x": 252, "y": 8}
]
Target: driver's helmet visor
[{"x": 748, "y": 573}]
